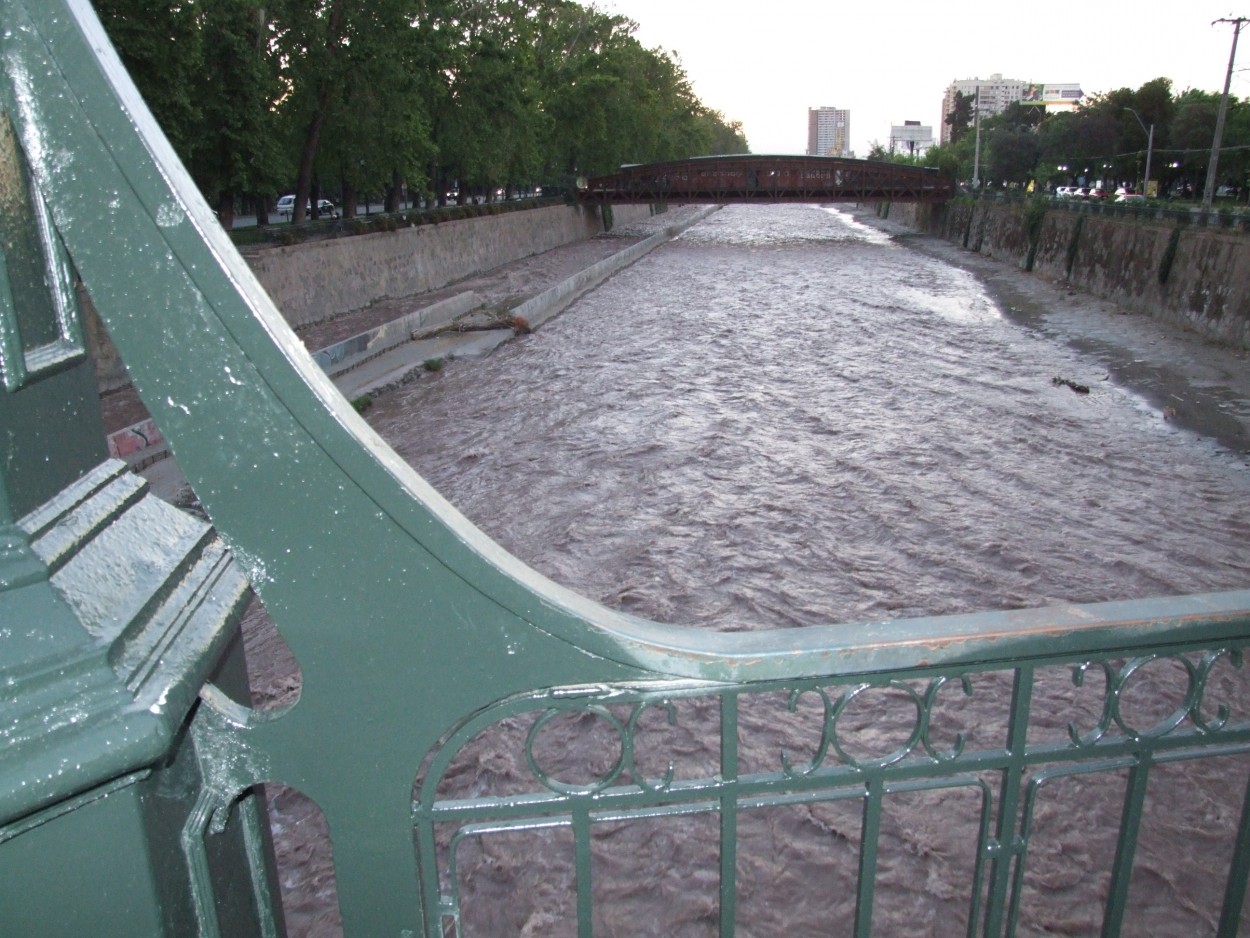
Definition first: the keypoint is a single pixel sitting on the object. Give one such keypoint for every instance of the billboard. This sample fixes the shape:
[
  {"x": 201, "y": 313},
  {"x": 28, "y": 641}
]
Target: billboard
[{"x": 1053, "y": 95}]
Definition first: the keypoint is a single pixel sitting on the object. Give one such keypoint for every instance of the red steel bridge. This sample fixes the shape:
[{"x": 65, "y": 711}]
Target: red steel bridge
[{"x": 723, "y": 179}]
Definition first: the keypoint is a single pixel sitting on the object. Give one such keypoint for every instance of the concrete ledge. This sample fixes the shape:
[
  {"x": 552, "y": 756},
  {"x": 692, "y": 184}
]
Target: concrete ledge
[
  {"x": 391, "y": 354},
  {"x": 546, "y": 305},
  {"x": 351, "y": 352}
]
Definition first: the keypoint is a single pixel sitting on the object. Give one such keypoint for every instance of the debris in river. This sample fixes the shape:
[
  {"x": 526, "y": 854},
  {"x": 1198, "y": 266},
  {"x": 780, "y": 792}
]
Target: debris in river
[{"x": 1066, "y": 382}]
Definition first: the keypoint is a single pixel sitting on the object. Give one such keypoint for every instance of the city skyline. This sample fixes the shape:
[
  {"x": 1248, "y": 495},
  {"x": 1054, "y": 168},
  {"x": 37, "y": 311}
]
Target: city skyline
[{"x": 888, "y": 67}]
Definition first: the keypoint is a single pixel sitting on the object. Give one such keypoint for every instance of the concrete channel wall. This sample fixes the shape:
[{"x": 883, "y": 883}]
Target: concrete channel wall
[
  {"x": 316, "y": 281},
  {"x": 319, "y": 280},
  {"x": 1195, "y": 277}
]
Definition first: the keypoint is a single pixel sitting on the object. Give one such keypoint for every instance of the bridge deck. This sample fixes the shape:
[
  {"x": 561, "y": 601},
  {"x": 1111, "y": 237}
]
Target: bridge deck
[{"x": 725, "y": 179}]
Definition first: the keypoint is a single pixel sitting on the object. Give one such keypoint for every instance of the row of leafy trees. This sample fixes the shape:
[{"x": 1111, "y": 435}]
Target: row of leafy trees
[
  {"x": 347, "y": 97},
  {"x": 1100, "y": 139}
]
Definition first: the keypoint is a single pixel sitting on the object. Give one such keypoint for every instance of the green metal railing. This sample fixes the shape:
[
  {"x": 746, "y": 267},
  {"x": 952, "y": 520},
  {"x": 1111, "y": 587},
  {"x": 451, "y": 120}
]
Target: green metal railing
[
  {"x": 1007, "y": 773},
  {"x": 420, "y": 642}
]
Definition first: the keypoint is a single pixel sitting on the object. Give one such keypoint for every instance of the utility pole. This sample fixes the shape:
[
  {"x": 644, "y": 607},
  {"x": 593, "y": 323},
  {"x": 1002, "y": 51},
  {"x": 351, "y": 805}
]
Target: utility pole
[
  {"x": 976, "y": 153},
  {"x": 1150, "y": 145},
  {"x": 1208, "y": 191}
]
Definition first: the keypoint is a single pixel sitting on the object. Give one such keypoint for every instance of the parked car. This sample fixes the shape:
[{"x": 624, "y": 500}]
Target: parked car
[
  {"x": 1080, "y": 193},
  {"x": 1098, "y": 194},
  {"x": 1130, "y": 197},
  {"x": 1065, "y": 192},
  {"x": 325, "y": 208}
]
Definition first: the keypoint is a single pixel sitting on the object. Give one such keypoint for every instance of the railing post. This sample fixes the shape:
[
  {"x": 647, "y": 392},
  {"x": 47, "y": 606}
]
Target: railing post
[
  {"x": 115, "y": 608},
  {"x": 1007, "y": 850}
]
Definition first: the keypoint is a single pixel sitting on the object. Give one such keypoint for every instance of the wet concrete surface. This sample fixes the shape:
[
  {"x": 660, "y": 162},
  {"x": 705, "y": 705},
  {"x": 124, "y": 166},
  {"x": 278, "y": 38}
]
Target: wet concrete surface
[{"x": 500, "y": 288}]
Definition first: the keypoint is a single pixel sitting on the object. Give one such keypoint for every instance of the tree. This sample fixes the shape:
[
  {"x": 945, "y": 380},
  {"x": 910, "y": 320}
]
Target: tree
[
  {"x": 960, "y": 117},
  {"x": 1011, "y": 154},
  {"x": 312, "y": 43},
  {"x": 372, "y": 95},
  {"x": 377, "y": 130},
  {"x": 159, "y": 43},
  {"x": 239, "y": 150}
]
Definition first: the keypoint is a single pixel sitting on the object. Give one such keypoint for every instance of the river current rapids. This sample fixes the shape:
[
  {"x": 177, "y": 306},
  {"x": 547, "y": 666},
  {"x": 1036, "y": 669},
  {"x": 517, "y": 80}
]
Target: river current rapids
[
  {"x": 787, "y": 417},
  {"x": 784, "y": 418}
]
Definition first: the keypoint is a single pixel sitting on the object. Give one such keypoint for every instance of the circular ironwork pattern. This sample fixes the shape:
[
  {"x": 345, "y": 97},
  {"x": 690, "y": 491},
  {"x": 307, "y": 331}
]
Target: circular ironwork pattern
[
  {"x": 625, "y": 764},
  {"x": 1117, "y": 681},
  {"x": 573, "y": 788}
]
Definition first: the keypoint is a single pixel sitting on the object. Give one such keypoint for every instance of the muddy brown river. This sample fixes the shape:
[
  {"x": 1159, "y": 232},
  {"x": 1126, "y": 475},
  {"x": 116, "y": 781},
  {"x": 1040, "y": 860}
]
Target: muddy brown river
[
  {"x": 788, "y": 417},
  {"x": 785, "y": 418}
]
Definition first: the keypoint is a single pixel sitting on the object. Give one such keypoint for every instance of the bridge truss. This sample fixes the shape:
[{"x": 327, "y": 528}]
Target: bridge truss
[{"x": 725, "y": 179}]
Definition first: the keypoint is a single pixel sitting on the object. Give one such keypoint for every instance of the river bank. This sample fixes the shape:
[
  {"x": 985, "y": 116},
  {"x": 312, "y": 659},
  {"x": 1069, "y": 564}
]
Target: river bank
[{"x": 1193, "y": 383}]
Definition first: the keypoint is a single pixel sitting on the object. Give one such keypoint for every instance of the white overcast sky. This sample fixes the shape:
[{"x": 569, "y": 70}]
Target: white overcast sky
[{"x": 765, "y": 62}]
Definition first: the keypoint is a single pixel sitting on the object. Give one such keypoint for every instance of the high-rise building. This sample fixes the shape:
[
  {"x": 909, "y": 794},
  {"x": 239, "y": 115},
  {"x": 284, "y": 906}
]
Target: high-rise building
[
  {"x": 993, "y": 93},
  {"x": 996, "y": 93},
  {"x": 828, "y": 131},
  {"x": 911, "y": 138}
]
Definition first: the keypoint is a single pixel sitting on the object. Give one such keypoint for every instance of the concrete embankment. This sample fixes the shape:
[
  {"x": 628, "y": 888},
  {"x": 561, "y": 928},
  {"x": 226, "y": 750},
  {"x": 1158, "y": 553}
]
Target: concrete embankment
[
  {"x": 1194, "y": 277},
  {"x": 320, "y": 280},
  {"x": 390, "y": 353}
]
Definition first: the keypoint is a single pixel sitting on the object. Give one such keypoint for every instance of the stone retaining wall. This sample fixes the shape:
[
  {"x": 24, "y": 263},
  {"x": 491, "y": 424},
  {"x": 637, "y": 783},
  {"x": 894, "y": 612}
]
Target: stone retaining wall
[{"x": 1192, "y": 276}]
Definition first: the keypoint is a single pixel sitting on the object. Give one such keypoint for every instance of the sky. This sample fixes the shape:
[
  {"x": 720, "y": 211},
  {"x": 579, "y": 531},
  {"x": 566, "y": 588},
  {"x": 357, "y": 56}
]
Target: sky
[{"x": 766, "y": 63}]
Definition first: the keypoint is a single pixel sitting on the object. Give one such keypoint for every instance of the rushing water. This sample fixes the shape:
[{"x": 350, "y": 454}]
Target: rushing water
[
  {"x": 782, "y": 418},
  {"x": 785, "y": 418}
]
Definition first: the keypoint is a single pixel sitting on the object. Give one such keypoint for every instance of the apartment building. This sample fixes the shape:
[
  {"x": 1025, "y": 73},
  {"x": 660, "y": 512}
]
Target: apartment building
[
  {"x": 996, "y": 93},
  {"x": 828, "y": 131}
]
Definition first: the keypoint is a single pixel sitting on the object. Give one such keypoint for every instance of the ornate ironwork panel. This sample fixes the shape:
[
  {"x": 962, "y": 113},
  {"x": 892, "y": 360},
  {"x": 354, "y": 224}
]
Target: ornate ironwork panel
[{"x": 593, "y": 760}]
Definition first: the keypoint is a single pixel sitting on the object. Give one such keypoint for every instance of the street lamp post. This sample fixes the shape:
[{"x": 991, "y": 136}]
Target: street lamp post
[{"x": 1150, "y": 145}]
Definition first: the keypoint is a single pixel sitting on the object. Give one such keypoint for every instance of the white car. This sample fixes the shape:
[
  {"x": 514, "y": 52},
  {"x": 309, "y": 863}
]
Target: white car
[
  {"x": 1065, "y": 192},
  {"x": 325, "y": 208}
]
